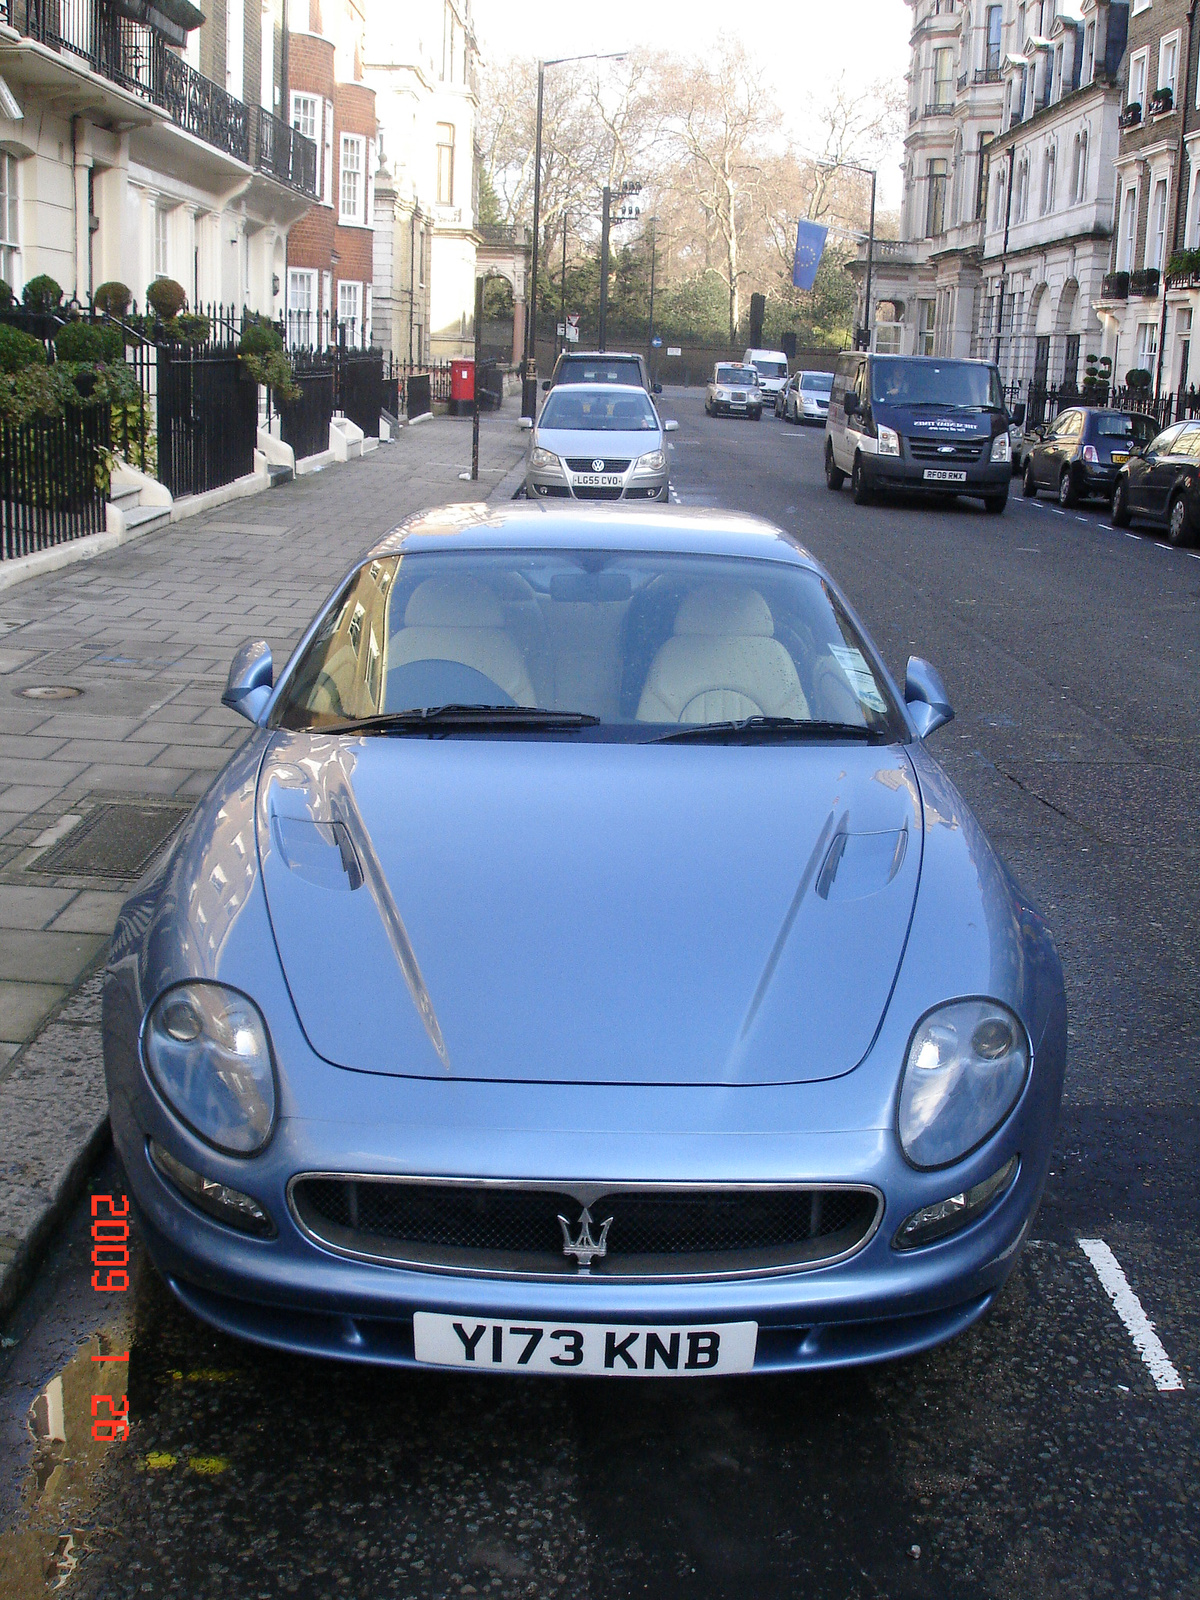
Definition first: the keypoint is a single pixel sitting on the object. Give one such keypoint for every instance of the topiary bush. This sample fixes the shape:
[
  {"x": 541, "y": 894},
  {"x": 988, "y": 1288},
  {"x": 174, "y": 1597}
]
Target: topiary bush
[
  {"x": 1138, "y": 378},
  {"x": 6, "y": 295},
  {"x": 188, "y": 328},
  {"x": 113, "y": 298},
  {"x": 167, "y": 298},
  {"x": 265, "y": 360},
  {"x": 42, "y": 293},
  {"x": 19, "y": 350},
  {"x": 89, "y": 341}
]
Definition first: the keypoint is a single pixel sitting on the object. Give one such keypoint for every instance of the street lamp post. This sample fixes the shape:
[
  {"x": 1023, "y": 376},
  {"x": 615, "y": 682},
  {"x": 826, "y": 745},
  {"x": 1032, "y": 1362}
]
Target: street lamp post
[
  {"x": 604, "y": 226},
  {"x": 529, "y": 382},
  {"x": 865, "y": 330},
  {"x": 653, "y": 221},
  {"x": 562, "y": 285}
]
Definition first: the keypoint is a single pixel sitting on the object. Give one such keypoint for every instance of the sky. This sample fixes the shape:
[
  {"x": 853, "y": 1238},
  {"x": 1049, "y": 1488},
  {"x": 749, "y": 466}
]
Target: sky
[{"x": 802, "y": 44}]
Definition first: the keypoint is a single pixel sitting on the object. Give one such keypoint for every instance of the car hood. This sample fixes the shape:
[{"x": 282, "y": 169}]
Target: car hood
[
  {"x": 533, "y": 910},
  {"x": 943, "y": 427},
  {"x": 599, "y": 443}
]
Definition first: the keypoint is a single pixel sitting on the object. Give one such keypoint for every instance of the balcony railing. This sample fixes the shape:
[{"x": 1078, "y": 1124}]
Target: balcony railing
[
  {"x": 285, "y": 153},
  {"x": 987, "y": 75},
  {"x": 940, "y": 108},
  {"x": 1144, "y": 283},
  {"x": 138, "y": 59},
  {"x": 1131, "y": 116},
  {"x": 962, "y": 82},
  {"x": 1115, "y": 286}
]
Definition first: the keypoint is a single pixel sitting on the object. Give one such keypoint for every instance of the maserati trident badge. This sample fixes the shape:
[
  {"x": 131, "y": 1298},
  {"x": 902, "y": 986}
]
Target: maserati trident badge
[{"x": 585, "y": 1249}]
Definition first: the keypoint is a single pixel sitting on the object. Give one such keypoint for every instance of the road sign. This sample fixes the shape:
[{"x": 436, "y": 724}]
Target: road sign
[
  {"x": 656, "y": 342},
  {"x": 674, "y": 350},
  {"x": 572, "y": 333}
]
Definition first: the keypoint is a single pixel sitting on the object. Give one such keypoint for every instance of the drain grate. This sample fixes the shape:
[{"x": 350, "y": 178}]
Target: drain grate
[{"x": 116, "y": 840}]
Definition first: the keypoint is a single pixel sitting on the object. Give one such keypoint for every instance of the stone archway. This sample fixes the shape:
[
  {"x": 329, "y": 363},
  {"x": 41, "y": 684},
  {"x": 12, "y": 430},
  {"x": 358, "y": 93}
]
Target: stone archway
[{"x": 1065, "y": 355}]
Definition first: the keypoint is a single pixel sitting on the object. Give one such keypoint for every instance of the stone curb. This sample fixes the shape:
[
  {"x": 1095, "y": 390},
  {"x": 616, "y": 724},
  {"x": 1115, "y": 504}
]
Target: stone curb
[{"x": 509, "y": 484}]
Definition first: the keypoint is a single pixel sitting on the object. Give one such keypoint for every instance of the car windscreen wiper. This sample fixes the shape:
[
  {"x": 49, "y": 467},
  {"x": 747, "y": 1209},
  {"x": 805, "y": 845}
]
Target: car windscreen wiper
[
  {"x": 423, "y": 719},
  {"x": 756, "y": 729}
]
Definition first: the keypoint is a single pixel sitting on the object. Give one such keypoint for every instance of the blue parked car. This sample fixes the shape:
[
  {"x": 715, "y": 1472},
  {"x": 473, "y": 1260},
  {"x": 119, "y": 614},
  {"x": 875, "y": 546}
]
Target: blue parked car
[{"x": 584, "y": 967}]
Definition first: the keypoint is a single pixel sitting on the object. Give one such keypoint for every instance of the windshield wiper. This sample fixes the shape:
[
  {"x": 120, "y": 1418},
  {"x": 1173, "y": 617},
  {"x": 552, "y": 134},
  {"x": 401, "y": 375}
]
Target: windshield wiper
[
  {"x": 753, "y": 729},
  {"x": 435, "y": 718}
]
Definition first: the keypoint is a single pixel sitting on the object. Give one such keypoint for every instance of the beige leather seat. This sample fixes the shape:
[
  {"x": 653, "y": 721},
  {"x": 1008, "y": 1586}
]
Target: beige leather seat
[
  {"x": 462, "y": 620},
  {"x": 722, "y": 662}
]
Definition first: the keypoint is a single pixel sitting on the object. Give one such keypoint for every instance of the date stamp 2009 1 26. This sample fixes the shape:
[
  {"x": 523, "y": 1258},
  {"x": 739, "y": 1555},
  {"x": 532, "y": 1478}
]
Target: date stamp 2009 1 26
[{"x": 110, "y": 1275}]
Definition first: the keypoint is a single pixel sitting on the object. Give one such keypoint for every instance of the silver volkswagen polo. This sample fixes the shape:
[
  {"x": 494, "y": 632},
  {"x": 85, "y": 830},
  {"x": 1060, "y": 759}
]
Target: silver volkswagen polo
[{"x": 598, "y": 442}]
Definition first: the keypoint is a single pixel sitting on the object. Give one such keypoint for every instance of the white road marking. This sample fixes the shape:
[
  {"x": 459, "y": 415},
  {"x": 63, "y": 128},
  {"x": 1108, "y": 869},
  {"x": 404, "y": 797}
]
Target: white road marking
[{"x": 1129, "y": 1308}]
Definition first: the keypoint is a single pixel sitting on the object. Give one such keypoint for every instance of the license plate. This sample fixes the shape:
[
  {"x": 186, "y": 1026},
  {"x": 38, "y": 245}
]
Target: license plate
[
  {"x": 1118, "y": 456},
  {"x": 598, "y": 480},
  {"x": 943, "y": 475},
  {"x": 587, "y": 1348}
]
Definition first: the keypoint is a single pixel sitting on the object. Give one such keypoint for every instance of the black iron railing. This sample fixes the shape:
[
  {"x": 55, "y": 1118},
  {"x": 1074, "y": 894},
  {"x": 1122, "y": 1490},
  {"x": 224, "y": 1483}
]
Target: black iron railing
[
  {"x": 1115, "y": 286},
  {"x": 207, "y": 418},
  {"x": 285, "y": 153},
  {"x": 52, "y": 480},
  {"x": 304, "y": 423}
]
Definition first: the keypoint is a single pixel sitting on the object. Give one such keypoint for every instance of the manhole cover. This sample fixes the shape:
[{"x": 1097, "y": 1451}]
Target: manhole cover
[
  {"x": 50, "y": 691},
  {"x": 116, "y": 840}
]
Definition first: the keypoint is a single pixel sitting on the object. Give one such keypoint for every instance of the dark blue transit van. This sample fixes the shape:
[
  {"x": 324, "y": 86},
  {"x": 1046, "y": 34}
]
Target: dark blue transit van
[{"x": 918, "y": 423}]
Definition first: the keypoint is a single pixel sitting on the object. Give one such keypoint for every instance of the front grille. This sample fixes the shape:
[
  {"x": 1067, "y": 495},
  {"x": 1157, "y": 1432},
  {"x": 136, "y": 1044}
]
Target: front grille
[
  {"x": 961, "y": 450},
  {"x": 654, "y": 1233},
  {"x": 588, "y": 464},
  {"x": 597, "y": 494}
]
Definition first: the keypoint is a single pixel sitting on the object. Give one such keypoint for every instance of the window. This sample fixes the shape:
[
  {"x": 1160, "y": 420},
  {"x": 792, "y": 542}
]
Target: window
[
  {"x": 350, "y": 190},
  {"x": 935, "y": 211},
  {"x": 1168, "y": 63},
  {"x": 1022, "y": 194},
  {"x": 1158, "y": 226},
  {"x": 925, "y": 325},
  {"x": 1192, "y": 233},
  {"x": 1048, "y": 179},
  {"x": 981, "y": 181},
  {"x": 1137, "y": 78},
  {"x": 1071, "y": 363},
  {"x": 943, "y": 78},
  {"x": 1089, "y": 53},
  {"x": 1128, "y": 231},
  {"x": 349, "y": 310},
  {"x": 888, "y": 337},
  {"x": 9, "y": 218},
  {"x": 1001, "y": 190},
  {"x": 1079, "y": 168},
  {"x": 304, "y": 115},
  {"x": 995, "y": 18},
  {"x": 445, "y": 163},
  {"x": 1056, "y": 84},
  {"x": 1147, "y": 345},
  {"x": 1139, "y": 6},
  {"x": 161, "y": 252},
  {"x": 302, "y": 317}
]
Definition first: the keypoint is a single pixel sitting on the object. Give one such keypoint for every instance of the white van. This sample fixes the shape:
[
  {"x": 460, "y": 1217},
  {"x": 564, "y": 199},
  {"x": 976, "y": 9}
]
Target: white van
[{"x": 772, "y": 369}]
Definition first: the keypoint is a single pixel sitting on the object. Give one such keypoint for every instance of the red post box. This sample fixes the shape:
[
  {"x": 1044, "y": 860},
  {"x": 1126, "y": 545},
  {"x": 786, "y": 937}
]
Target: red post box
[{"x": 462, "y": 380}]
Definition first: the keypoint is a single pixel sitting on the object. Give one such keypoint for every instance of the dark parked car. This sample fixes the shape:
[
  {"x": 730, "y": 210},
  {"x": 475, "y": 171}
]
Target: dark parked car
[
  {"x": 1081, "y": 451},
  {"x": 1160, "y": 483},
  {"x": 609, "y": 366}
]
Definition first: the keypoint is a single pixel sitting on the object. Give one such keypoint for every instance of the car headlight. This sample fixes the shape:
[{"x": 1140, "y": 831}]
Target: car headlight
[
  {"x": 652, "y": 461},
  {"x": 1001, "y": 448},
  {"x": 721, "y": 394},
  {"x": 889, "y": 442},
  {"x": 209, "y": 1056},
  {"x": 543, "y": 458},
  {"x": 966, "y": 1066}
]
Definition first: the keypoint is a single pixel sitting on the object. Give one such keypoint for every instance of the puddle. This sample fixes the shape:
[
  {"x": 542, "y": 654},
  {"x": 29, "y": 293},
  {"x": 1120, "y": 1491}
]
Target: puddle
[{"x": 39, "y": 1553}]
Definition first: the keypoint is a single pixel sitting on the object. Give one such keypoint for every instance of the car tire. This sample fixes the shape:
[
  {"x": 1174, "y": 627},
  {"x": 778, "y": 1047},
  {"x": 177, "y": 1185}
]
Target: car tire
[
  {"x": 1179, "y": 531},
  {"x": 834, "y": 476},
  {"x": 860, "y": 486},
  {"x": 1028, "y": 483},
  {"x": 994, "y": 504},
  {"x": 1119, "y": 510},
  {"x": 1067, "y": 496}
]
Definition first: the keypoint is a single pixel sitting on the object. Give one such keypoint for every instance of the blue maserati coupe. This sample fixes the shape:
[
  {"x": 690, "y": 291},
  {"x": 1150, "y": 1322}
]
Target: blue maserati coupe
[{"x": 584, "y": 967}]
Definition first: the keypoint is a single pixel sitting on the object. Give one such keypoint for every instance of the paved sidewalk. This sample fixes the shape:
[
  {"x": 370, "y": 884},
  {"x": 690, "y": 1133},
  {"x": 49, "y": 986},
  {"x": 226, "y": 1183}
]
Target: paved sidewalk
[{"x": 146, "y": 634}]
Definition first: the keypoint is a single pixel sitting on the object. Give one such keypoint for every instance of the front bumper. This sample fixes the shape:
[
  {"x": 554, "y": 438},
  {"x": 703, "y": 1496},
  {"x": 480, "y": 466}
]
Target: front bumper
[
  {"x": 737, "y": 408},
  {"x": 901, "y": 472},
  {"x": 294, "y": 1294},
  {"x": 550, "y": 484}
]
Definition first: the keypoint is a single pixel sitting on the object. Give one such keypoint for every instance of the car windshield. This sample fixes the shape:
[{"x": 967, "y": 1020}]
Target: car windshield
[
  {"x": 631, "y": 645},
  {"x": 817, "y": 382},
  {"x": 747, "y": 375},
  {"x": 598, "y": 412},
  {"x": 600, "y": 371},
  {"x": 772, "y": 369},
  {"x": 921, "y": 381}
]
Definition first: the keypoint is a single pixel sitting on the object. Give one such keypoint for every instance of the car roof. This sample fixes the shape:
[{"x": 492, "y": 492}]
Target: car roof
[
  {"x": 544, "y": 525},
  {"x": 599, "y": 355},
  {"x": 606, "y": 389}
]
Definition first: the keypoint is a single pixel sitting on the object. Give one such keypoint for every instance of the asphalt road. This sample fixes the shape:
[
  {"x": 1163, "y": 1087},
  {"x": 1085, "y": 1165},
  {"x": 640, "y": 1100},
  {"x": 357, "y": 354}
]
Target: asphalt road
[{"x": 1037, "y": 1455}]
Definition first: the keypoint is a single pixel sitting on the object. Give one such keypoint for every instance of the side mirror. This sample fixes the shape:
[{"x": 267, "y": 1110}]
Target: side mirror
[
  {"x": 671, "y": 426},
  {"x": 1017, "y": 414},
  {"x": 545, "y": 384},
  {"x": 926, "y": 698},
  {"x": 525, "y": 422},
  {"x": 658, "y": 388},
  {"x": 251, "y": 676},
  {"x": 850, "y": 403}
]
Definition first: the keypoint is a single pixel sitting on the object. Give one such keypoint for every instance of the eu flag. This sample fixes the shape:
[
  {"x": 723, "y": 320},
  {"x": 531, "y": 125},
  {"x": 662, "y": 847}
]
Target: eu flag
[{"x": 810, "y": 243}]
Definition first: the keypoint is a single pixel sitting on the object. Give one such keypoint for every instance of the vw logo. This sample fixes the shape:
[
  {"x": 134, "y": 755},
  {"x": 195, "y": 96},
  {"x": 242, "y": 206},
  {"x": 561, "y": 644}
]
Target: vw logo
[{"x": 597, "y": 466}]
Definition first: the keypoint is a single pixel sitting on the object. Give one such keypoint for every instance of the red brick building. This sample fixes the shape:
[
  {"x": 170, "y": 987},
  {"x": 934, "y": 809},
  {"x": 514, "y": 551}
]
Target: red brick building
[{"x": 329, "y": 257}]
